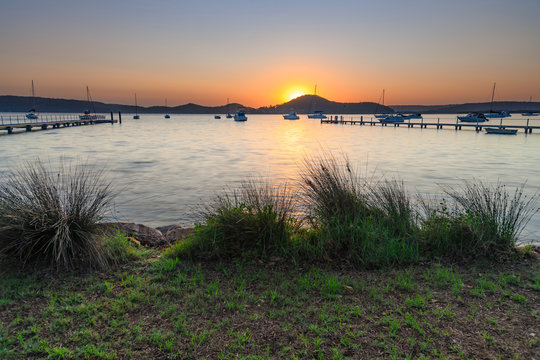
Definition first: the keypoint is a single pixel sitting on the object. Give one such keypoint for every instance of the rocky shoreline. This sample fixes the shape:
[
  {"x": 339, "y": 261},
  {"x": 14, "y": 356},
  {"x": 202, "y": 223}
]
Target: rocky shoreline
[{"x": 147, "y": 236}]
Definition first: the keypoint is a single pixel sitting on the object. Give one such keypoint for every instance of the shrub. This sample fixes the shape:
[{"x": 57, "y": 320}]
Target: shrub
[
  {"x": 353, "y": 220},
  {"x": 256, "y": 220},
  {"x": 487, "y": 221},
  {"x": 50, "y": 218}
]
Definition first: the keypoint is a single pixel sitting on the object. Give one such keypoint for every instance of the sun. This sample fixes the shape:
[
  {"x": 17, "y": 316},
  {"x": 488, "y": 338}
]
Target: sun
[{"x": 293, "y": 93}]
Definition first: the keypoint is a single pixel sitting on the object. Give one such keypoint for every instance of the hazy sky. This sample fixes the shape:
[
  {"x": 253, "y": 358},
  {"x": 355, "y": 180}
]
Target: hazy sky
[{"x": 261, "y": 52}]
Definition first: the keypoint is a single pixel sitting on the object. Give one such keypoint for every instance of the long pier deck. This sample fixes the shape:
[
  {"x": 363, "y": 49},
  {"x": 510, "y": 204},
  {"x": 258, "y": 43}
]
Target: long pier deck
[
  {"x": 44, "y": 122},
  {"x": 436, "y": 123}
]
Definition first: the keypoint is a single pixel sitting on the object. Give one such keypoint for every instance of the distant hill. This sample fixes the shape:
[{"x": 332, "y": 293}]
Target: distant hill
[
  {"x": 308, "y": 103},
  {"x": 303, "y": 105},
  {"x": 511, "y": 106},
  {"x": 9, "y": 103}
]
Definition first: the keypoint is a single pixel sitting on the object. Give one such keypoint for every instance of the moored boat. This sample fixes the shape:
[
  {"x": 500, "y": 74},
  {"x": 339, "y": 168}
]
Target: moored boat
[
  {"x": 377, "y": 115},
  {"x": 31, "y": 114},
  {"x": 497, "y": 114},
  {"x": 317, "y": 114},
  {"x": 393, "y": 118},
  {"x": 473, "y": 117},
  {"x": 499, "y": 130},
  {"x": 87, "y": 115},
  {"x": 217, "y": 117},
  {"x": 240, "y": 116},
  {"x": 530, "y": 113},
  {"x": 413, "y": 116},
  {"x": 291, "y": 116},
  {"x": 136, "y": 116},
  {"x": 167, "y": 116}
]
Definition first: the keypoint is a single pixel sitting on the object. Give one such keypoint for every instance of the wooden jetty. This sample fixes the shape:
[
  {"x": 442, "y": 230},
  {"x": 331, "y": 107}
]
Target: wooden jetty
[
  {"x": 44, "y": 122},
  {"x": 438, "y": 124}
]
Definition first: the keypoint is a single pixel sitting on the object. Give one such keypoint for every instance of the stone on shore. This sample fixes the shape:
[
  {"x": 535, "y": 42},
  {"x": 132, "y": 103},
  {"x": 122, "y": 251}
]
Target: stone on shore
[
  {"x": 146, "y": 235},
  {"x": 176, "y": 233}
]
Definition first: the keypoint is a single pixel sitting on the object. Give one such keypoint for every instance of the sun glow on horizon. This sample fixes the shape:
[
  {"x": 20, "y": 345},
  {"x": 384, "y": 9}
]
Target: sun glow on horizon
[{"x": 293, "y": 93}]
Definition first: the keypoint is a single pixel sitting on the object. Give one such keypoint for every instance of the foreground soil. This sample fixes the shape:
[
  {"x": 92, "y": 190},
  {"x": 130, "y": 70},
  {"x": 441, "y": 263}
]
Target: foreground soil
[{"x": 158, "y": 308}]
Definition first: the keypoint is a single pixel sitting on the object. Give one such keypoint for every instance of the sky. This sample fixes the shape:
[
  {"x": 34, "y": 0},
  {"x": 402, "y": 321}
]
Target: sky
[{"x": 259, "y": 52}]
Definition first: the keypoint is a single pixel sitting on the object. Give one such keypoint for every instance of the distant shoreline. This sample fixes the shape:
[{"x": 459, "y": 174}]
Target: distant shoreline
[{"x": 302, "y": 105}]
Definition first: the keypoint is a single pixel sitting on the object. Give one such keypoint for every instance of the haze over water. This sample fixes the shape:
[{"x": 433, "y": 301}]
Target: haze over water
[{"x": 166, "y": 169}]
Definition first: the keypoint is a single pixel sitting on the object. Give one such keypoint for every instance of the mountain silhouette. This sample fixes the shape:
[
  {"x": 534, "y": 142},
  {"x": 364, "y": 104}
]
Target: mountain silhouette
[
  {"x": 306, "y": 104},
  {"x": 303, "y": 105}
]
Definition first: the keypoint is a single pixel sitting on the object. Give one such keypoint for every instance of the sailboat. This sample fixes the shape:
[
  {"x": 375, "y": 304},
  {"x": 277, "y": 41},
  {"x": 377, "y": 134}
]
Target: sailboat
[
  {"x": 136, "y": 116},
  {"x": 380, "y": 116},
  {"x": 167, "y": 116},
  {"x": 229, "y": 116},
  {"x": 87, "y": 115},
  {"x": 496, "y": 114},
  {"x": 530, "y": 113},
  {"x": 32, "y": 112},
  {"x": 317, "y": 114}
]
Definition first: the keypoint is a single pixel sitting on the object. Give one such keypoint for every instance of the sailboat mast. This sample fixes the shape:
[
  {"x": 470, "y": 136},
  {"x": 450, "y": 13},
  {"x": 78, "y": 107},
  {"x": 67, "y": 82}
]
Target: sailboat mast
[
  {"x": 315, "y": 91},
  {"x": 33, "y": 97},
  {"x": 382, "y": 97},
  {"x": 136, "y": 104},
  {"x": 492, "y": 97}
]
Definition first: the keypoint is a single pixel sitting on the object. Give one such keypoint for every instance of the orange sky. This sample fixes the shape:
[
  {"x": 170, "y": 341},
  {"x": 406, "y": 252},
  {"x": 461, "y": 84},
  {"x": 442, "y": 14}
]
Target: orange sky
[{"x": 258, "y": 54}]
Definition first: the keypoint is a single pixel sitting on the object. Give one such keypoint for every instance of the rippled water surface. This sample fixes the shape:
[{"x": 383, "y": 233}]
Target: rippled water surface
[{"x": 167, "y": 168}]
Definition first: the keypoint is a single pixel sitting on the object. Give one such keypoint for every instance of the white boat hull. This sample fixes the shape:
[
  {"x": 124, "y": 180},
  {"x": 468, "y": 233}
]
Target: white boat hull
[{"x": 291, "y": 116}]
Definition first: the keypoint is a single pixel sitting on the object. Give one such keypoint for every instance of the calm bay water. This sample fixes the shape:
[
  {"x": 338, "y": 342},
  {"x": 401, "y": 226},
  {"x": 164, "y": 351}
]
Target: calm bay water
[{"x": 167, "y": 168}]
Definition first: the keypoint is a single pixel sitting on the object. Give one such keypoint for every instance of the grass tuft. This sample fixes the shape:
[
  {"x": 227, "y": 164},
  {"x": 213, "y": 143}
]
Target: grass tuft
[
  {"x": 353, "y": 220},
  {"x": 255, "y": 220},
  {"x": 485, "y": 221},
  {"x": 51, "y": 217}
]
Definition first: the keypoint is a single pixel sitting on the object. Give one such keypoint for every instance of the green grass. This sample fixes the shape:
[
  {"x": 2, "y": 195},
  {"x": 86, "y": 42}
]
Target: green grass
[
  {"x": 152, "y": 307},
  {"x": 254, "y": 220}
]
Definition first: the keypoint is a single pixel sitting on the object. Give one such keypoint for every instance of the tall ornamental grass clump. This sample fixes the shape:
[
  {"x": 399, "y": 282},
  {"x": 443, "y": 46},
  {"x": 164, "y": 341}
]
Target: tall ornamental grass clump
[
  {"x": 333, "y": 190},
  {"x": 51, "y": 217},
  {"x": 254, "y": 220},
  {"x": 485, "y": 221},
  {"x": 366, "y": 223}
]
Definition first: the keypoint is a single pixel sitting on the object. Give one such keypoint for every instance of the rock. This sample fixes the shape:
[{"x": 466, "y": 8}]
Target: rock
[
  {"x": 147, "y": 236},
  {"x": 165, "y": 228},
  {"x": 176, "y": 233}
]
